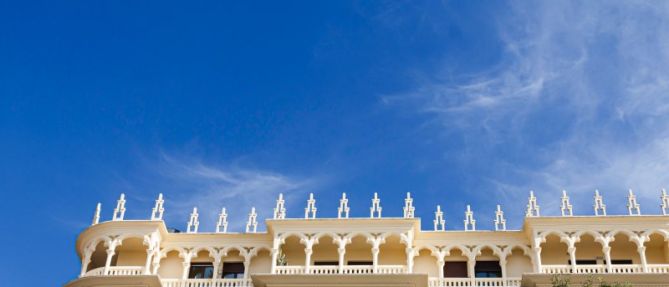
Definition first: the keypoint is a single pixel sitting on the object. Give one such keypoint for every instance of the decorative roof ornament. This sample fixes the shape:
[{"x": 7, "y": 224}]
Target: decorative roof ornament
[
  {"x": 252, "y": 223},
  {"x": 470, "y": 222},
  {"x": 409, "y": 209},
  {"x": 633, "y": 206},
  {"x": 96, "y": 216},
  {"x": 119, "y": 211},
  {"x": 600, "y": 207},
  {"x": 222, "y": 224},
  {"x": 532, "y": 206},
  {"x": 343, "y": 210},
  {"x": 566, "y": 207},
  {"x": 193, "y": 223},
  {"x": 310, "y": 211},
  {"x": 665, "y": 202},
  {"x": 376, "y": 207},
  {"x": 439, "y": 222},
  {"x": 500, "y": 221},
  {"x": 157, "y": 211},
  {"x": 280, "y": 209}
]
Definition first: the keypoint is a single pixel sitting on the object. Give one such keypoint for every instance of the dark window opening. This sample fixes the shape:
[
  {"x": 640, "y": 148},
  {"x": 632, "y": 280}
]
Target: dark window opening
[
  {"x": 201, "y": 270},
  {"x": 487, "y": 269},
  {"x": 621, "y": 261},
  {"x": 584, "y": 262},
  {"x": 455, "y": 269},
  {"x": 357, "y": 263},
  {"x": 326, "y": 263},
  {"x": 232, "y": 270}
]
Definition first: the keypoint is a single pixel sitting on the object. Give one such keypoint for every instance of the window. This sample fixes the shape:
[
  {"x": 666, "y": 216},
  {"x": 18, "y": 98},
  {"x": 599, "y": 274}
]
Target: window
[
  {"x": 359, "y": 263},
  {"x": 201, "y": 270},
  {"x": 584, "y": 262},
  {"x": 326, "y": 263},
  {"x": 620, "y": 261},
  {"x": 487, "y": 269},
  {"x": 233, "y": 270},
  {"x": 455, "y": 269}
]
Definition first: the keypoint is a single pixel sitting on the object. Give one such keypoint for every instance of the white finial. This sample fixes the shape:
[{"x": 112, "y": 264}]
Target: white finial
[
  {"x": 252, "y": 224},
  {"x": 222, "y": 224},
  {"x": 119, "y": 211},
  {"x": 439, "y": 222},
  {"x": 565, "y": 206},
  {"x": 500, "y": 222},
  {"x": 665, "y": 202},
  {"x": 600, "y": 207},
  {"x": 470, "y": 222},
  {"x": 409, "y": 209},
  {"x": 632, "y": 206},
  {"x": 280, "y": 209},
  {"x": 310, "y": 211},
  {"x": 343, "y": 210},
  {"x": 532, "y": 206},
  {"x": 157, "y": 211},
  {"x": 193, "y": 223},
  {"x": 96, "y": 216},
  {"x": 376, "y": 207}
]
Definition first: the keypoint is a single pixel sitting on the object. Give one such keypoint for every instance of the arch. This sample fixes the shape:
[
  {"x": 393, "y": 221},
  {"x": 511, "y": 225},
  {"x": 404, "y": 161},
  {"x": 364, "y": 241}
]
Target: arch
[
  {"x": 171, "y": 263},
  {"x": 518, "y": 261},
  {"x": 434, "y": 251},
  {"x": 463, "y": 249},
  {"x": 425, "y": 262},
  {"x": 664, "y": 233},
  {"x": 554, "y": 249},
  {"x": 624, "y": 247},
  {"x": 559, "y": 233},
  {"x": 285, "y": 235},
  {"x": 495, "y": 250},
  {"x": 325, "y": 251},
  {"x": 597, "y": 237},
  {"x": 392, "y": 251},
  {"x": 165, "y": 250},
  {"x": 656, "y": 248},
  {"x": 587, "y": 249},
  {"x": 293, "y": 247},
  {"x": 359, "y": 248},
  {"x": 130, "y": 251},
  {"x": 212, "y": 252}
]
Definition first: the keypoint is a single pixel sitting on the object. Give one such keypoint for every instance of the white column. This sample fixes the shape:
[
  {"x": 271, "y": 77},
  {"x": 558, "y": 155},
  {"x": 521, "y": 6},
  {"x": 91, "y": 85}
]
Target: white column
[
  {"x": 375, "y": 256},
  {"x": 85, "y": 261},
  {"x": 156, "y": 264},
  {"x": 217, "y": 267},
  {"x": 572, "y": 256},
  {"x": 471, "y": 263},
  {"x": 440, "y": 265},
  {"x": 642, "y": 256},
  {"x": 502, "y": 265},
  {"x": 307, "y": 258},
  {"x": 247, "y": 264},
  {"x": 275, "y": 253},
  {"x": 186, "y": 266},
  {"x": 537, "y": 259},
  {"x": 342, "y": 253},
  {"x": 607, "y": 256},
  {"x": 110, "y": 254},
  {"x": 147, "y": 264},
  {"x": 409, "y": 252}
]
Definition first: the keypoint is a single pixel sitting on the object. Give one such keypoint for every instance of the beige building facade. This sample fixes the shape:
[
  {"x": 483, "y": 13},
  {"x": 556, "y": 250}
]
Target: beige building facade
[{"x": 377, "y": 250}]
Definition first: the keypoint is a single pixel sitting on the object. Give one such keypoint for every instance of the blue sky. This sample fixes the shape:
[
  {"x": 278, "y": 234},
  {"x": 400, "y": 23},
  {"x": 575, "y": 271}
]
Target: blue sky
[{"x": 227, "y": 104}]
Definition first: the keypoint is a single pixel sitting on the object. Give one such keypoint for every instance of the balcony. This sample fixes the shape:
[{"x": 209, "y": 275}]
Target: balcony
[
  {"x": 206, "y": 283},
  {"x": 116, "y": 271},
  {"x": 475, "y": 282},
  {"x": 346, "y": 270},
  {"x": 601, "y": 269}
]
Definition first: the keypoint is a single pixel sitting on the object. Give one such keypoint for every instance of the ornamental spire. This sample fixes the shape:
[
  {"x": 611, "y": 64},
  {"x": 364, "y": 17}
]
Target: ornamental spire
[
  {"x": 500, "y": 221},
  {"x": 376, "y": 207},
  {"x": 665, "y": 202},
  {"x": 439, "y": 222},
  {"x": 280, "y": 209},
  {"x": 119, "y": 211},
  {"x": 470, "y": 222},
  {"x": 409, "y": 209},
  {"x": 566, "y": 207},
  {"x": 532, "y": 206},
  {"x": 96, "y": 216},
  {"x": 222, "y": 224},
  {"x": 252, "y": 223},
  {"x": 157, "y": 211},
  {"x": 600, "y": 207},
  {"x": 310, "y": 211},
  {"x": 343, "y": 210},
  {"x": 193, "y": 223},
  {"x": 632, "y": 206}
]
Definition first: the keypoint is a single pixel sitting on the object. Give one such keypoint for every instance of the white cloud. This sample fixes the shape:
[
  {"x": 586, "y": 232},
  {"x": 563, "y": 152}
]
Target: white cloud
[{"x": 582, "y": 95}]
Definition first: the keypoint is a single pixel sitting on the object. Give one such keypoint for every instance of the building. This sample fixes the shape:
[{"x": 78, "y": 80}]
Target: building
[{"x": 376, "y": 250}]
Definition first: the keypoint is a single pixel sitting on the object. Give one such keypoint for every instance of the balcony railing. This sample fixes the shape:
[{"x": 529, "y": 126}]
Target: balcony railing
[
  {"x": 658, "y": 268},
  {"x": 348, "y": 269},
  {"x": 117, "y": 271},
  {"x": 477, "y": 282},
  {"x": 206, "y": 283}
]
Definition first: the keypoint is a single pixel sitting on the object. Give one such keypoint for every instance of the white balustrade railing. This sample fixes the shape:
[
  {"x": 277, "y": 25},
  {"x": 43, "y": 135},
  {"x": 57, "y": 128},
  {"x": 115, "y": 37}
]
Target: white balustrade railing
[
  {"x": 324, "y": 270},
  {"x": 449, "y": 282},
  {"x": 513, "y": 282},
  {"x": 489, "y": 282},
  {"x": 206, "y": 282},
  {"x": 658, "y": 268},
  {"x": 590, "y": 269},
  {"x": 390, "y": 269},
  {"x": 626, "y": 268},
  {"x": 117, "y": 271},
  {"x": 555, "y": 269},
  {"x": 358, "y": 269},
  {"x": 289, "y": 270},
  {"x": 478, "y": 282}
]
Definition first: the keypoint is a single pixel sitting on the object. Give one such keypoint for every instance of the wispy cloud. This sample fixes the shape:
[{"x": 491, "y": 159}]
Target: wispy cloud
[
  {"x": 579, "y": 100},
  {"x": 190, "y": 182}
]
